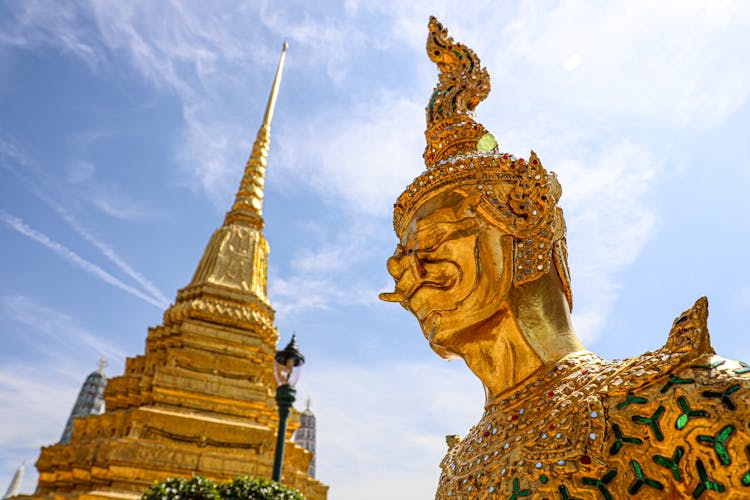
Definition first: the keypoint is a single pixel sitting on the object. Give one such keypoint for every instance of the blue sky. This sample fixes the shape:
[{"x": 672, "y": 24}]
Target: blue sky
[{"x": 125, "y": 127}]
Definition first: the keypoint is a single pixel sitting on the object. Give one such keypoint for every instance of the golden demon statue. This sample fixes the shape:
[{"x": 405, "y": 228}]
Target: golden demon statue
[{"x": 482, "y": 264}]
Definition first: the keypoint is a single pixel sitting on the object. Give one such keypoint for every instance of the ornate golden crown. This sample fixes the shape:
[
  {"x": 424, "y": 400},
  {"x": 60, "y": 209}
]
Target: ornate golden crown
[{"x": 520, "y": 196}]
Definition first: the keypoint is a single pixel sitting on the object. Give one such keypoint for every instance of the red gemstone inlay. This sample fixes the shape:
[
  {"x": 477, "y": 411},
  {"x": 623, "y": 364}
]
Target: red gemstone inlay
[
  {"x": 585, "y": 460},
  {"x": 486, "y": 433},
  {"x": 552, "y": 427},
  {"x": 514, "y": 417},
  {"x": 550, "y": 394},
  {"x": 584, "y": 371}
]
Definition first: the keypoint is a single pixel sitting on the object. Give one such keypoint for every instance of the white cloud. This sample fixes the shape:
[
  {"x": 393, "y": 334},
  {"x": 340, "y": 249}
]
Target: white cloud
[
  {"x": 363, "y": 157},
  {"x": 328, "y": 270},
  {"x": 37, "y": 394},
  {"x": 22, "y": 228},
  {"x": 55, "y": 326},
  {"x": 36, "y": 399},
  {"x": 655, "y": 61},
  {"x": 673, "y": 63},
  {"x": 296, "y": 293},
  {"x": 392, "y": 426},
  {"x": 11, "y": 152},
  {"x": 114, "y": 203},
  {"x": 80, "y": 171},
  {"x": 610, "y": 221}
]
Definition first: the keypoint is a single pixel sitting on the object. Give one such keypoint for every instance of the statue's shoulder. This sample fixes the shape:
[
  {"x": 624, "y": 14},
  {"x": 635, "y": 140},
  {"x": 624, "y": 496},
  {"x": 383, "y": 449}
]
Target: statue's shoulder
[
  {"x": 688, "y": 344},
  {"x": 686, "y": 355},
  {"x": 680, "y": 416}
]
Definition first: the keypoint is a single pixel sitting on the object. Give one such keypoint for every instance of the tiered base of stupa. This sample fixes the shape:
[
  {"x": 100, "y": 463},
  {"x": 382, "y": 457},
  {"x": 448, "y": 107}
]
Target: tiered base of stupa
[
  {"x": 125, "y": 452},
  {"x": 198, "y": 402}
]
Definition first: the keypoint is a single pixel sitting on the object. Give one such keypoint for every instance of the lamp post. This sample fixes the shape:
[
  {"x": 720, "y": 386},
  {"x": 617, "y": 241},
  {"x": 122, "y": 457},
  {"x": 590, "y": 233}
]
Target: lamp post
[{"x": 287, "y": 369}]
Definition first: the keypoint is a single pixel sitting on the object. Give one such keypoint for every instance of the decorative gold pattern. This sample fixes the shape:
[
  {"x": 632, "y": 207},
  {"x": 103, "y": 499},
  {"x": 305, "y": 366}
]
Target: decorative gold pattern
[
  {"x": 585, "y": 417},
  {"x": 201, "y": 398},
  {"x": 476, "y": 233}
]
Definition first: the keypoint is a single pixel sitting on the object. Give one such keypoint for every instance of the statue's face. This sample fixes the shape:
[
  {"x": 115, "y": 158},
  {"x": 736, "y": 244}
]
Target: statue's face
[{"x": 450, "y": 270}]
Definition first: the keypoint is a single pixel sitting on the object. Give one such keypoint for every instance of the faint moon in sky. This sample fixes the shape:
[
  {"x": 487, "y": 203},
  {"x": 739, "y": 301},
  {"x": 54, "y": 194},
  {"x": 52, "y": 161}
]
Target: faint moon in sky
[{"x": 572, "y": 62}]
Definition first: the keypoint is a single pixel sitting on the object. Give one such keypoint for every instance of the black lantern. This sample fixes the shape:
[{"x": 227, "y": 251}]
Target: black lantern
[
  {"x": 287, "y": 368},
  {"x": 288, "y": 364}
]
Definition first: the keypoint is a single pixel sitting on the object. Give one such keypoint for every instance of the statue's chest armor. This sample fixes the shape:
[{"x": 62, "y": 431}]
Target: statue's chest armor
[{"x": 610, "y": 431}]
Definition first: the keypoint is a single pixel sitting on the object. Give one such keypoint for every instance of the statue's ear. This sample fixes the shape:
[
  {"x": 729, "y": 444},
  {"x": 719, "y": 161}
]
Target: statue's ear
[{"x": 469, "y": 205}]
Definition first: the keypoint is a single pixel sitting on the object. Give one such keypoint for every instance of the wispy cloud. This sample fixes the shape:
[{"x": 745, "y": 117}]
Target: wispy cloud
[
  {"x": 362, "y": 157},
  {"x": 328, "y": 270},
  {"x": 13, "y": 153},
  {"x": 354, "y": 438},
  {"x": 36, "y": 400},
  {"x": 22, "y": 228},
  {"x": 56, "y": 326},
  {"x": 198, "y": 53}
]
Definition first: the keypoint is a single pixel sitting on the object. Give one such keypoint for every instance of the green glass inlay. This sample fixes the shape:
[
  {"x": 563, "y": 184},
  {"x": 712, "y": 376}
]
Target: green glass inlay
[
  {"x": 432, "y": 99},
  {"x": 458, "y": 54},
  {"x": 620, "y": 439},
  {"x": 652, "y": 422},
  {"x": 745, "y": 368},
  {"x": 486, "y": 143},
  {"x": 673, "y": 463},
  {"x": 682, "y": 421},
  {"x": 564, "y": 495},
  {"x": 746, "y": 477},
  {"x": 543, "y": 478},
  {"x": 517, "y": 492},
  {"x": 718, "y": 441},
  {"x": 687, "y": 412},
  {"x": 471, "y": 61},
  {"x": 725, "y": 399},
  {"x": 705, "y": 484},
  {"x": 674, "y": 380},
  {"x": 601, "y": 484},
  {"x": 631, "y": 398},
  {"x": 709, "y": 367},
  {"x": 641, "y": 479}
]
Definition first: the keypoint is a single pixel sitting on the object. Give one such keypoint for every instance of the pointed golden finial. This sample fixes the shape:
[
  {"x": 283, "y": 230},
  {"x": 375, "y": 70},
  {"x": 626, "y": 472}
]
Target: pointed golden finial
[
  {"x": 462, "y": 84},
  {"x": 249, "y": 200}
]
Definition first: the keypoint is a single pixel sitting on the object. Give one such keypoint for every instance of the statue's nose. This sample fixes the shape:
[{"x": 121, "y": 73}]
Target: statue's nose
[
  {"x": 402, "y": 268},
  {"x": 396, "y": 266}
]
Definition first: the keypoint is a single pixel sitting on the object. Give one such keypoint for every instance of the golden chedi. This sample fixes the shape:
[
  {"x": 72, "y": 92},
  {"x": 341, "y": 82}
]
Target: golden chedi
[
  {"x": 200, "y": 399},
  {"x": 481, "y": 262}
]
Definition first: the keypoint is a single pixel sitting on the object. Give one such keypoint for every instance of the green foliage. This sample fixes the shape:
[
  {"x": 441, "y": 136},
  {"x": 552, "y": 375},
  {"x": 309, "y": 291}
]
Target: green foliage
[
  {"x": 240, "y": 488},
  {"x": 247, "y": 488},
  {"x": 179, "y": 488}
]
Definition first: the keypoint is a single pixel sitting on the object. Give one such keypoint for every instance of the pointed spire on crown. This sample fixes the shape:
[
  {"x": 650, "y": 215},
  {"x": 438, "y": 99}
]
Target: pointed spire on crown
[
  {"x": 462, "y": 84},
  {"x": 248, "y": 203}
]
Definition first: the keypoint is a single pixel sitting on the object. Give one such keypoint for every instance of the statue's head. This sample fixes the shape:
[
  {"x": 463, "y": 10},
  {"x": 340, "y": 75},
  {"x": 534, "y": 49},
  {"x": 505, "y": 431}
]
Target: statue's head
[{"x": 477, "y": 224}]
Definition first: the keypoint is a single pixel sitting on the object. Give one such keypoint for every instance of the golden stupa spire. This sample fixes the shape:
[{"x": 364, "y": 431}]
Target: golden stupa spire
[{"x": 248, "y": 203}]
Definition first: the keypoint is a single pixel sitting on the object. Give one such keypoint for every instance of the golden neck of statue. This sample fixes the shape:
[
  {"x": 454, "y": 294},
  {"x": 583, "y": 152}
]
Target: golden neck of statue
[{"x": 529, "y": 334}]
